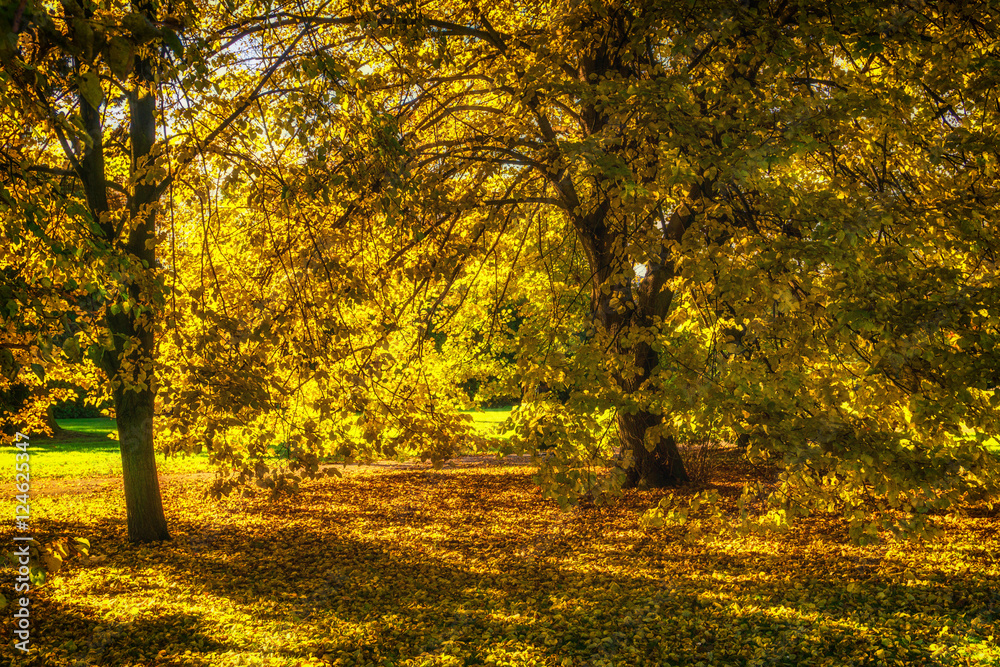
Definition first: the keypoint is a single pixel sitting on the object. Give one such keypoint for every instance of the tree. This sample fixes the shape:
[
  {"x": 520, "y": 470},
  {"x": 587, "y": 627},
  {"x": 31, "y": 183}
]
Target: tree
[
  {"x": 754, "y": 189},
  {"x": 84, "y": 195},
  {"x": 762, "y": 222}
]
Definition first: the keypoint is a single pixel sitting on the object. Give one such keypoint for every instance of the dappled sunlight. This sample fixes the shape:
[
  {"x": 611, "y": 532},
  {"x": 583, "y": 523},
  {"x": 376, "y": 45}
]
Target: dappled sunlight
[
  {"x": 474, "y": 567},
  {"x": 445, "y": 333}
]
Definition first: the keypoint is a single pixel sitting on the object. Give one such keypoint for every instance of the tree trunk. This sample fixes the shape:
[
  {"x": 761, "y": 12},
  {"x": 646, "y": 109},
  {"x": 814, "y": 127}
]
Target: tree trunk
[
  {"x": 143, "y": 506},
  {"x": 50, "y": 421},
  {"x": 621, "y": 310},
  {"x": 129, "y": 365},
  {"x": 662, "y": 466},
  {"x": 659, "y": 468},
  {"x": 135, "y": 404},
  {"x": 618, "y": 306}
]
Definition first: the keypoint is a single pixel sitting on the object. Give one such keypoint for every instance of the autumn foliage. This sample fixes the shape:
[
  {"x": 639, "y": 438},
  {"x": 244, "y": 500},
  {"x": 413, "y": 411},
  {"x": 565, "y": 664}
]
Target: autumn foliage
[
  {"x": 654, "y": 227},
  {"x": 744, "y": 251}
]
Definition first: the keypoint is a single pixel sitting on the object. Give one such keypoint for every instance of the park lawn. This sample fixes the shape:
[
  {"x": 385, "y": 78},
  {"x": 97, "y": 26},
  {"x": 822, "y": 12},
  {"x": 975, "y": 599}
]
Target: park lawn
[
  {"x": 474, "y": 567},
  {"x": 488, "y": 419},
  {"x": 488, "y": 422},
  {"x": 86, "y": 450}
]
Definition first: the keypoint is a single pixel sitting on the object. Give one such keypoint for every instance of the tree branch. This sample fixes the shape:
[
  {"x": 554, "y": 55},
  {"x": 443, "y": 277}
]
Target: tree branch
[{"x": 251, "y": 98}]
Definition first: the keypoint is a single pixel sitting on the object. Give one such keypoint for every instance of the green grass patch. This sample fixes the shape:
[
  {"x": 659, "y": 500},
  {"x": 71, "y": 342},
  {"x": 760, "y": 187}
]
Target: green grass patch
[
  {"x": 85, "y": 450},
  {"x": 487, "y": 422},
  {"x": 101, "y": 426}
]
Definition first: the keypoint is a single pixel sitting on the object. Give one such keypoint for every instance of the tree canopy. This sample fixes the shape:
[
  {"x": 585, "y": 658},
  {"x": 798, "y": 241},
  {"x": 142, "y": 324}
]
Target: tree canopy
[{"x": 655, "y": 225}]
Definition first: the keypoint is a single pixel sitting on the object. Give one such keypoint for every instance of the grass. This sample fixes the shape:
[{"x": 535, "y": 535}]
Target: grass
[
  {"x": 91, "y": 427},
  {"x": 487, "y": 422},
  {"x": 84, "y": 449},
  {"x": 488, "y": 419}
]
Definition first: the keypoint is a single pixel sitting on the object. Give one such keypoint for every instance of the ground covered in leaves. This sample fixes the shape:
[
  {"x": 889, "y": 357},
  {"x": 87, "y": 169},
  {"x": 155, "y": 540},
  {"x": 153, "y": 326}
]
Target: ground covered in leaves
[{"x": 473, "y": 567}]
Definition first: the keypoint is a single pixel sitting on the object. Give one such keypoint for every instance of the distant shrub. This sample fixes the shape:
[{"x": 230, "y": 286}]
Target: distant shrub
[{"x": 76, "y": 409}]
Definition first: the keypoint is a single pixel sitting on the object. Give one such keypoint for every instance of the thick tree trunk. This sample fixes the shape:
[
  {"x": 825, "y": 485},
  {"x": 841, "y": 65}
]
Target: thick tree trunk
[
  {"x": 661, "y": 466},
  {"x": 143, "y": 506},
  {"x": 130, "y": 365},
  {"x": 619, "y": 312}
]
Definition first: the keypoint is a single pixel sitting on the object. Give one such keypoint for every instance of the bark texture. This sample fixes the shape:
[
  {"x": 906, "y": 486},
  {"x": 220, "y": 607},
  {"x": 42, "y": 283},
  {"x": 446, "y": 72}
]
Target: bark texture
[
  {"x": 624, "y": 309},
  {"x": 143, "y": 505}
]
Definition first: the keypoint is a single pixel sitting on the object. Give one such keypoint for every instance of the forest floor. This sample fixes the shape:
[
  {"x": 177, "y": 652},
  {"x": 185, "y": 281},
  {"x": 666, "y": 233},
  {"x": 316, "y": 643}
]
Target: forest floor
[{"x": 470, "y": 565}]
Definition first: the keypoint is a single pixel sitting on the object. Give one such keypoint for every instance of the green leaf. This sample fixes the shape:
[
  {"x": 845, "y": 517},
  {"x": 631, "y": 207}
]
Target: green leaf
[
  {"x": 90, "y": 89},
  {"x": 171, "y": 39},
  {"x": 37, "y": 576},
  {"x": 71, "y": 348},
  {"x": 141, "y": 27},
  {"x": 8, "y": 365},
  {"x": 120, "y": 56},
  {"x": 83, "y": 36}
]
